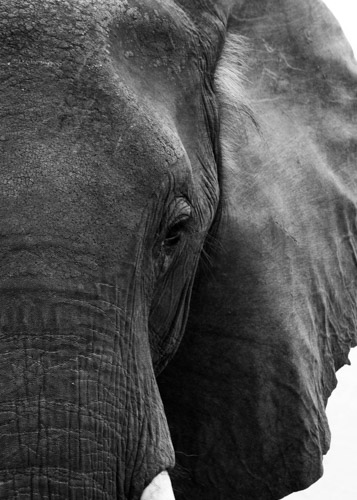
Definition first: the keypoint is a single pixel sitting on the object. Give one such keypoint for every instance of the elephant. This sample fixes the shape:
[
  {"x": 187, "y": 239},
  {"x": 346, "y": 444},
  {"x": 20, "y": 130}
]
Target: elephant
[{"x": 178, "y": 246}]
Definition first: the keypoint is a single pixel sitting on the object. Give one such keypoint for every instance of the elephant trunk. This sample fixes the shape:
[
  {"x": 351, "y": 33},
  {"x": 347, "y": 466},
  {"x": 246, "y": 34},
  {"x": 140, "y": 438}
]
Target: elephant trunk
[{"x": 80, "y": 414}]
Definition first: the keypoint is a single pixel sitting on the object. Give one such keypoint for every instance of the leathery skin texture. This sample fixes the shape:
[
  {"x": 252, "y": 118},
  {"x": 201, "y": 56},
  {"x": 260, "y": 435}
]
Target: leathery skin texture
[
  {"x": 99, "y": 191},
  {"x": 139, "y": 142}
]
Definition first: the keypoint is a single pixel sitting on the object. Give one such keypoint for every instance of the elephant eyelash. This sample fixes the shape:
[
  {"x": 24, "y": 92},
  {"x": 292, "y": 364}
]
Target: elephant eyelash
[
  {"x": 176, "y": 226},
  {"x": 175, "y": 231}
]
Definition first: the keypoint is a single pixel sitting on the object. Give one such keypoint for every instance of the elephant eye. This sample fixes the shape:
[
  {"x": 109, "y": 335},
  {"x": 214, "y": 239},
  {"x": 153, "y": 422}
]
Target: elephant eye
[{"x": 174, "y": 232}]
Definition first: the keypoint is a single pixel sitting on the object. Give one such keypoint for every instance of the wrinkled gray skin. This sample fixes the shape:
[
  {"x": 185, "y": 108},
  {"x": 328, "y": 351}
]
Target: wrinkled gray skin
[{"x": 131, "y": 135}]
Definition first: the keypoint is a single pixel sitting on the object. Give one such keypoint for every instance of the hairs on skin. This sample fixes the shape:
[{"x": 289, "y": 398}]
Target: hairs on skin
[{"x": 230, "y": 81}]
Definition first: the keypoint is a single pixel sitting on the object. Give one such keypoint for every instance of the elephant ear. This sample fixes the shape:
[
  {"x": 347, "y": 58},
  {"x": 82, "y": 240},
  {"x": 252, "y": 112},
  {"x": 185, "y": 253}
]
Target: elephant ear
[{"x": 273, "y": 315}]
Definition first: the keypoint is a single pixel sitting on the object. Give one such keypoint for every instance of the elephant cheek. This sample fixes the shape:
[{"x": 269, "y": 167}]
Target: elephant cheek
[{"x": 80, "y": 413}]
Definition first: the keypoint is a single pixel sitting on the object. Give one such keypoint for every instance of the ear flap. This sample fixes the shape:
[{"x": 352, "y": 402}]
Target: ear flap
[{"x": 275, "y": 315}]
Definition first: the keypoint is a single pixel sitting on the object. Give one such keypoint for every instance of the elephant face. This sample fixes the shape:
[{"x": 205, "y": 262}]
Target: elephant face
[
  {"x": 107, "y": 130},
  {"x": 139, "y": 140},
  {"x": 108, "y": 188}
]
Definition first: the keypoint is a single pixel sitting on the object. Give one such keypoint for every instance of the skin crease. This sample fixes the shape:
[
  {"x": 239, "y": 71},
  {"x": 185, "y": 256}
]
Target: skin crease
[{"x": 132, "y": 136}]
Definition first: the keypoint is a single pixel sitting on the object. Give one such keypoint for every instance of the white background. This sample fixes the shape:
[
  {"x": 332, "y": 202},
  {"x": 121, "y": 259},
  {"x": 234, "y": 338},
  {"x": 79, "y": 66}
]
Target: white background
[{"x": 340, "y": 478}]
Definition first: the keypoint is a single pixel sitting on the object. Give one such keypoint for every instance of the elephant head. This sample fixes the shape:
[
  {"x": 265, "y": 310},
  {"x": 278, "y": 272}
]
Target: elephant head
[{"x": 139, "y": 141}]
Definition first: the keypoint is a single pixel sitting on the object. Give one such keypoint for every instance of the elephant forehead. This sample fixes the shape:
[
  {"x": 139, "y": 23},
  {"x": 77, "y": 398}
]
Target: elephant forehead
[
  {"x": 77, "y": 108},
  {"x": 151, "y": 42},
  {"x": 70, "y": 30},
  {"x": 99, "y": 120},
  {"x": 101, "y": 70}
]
